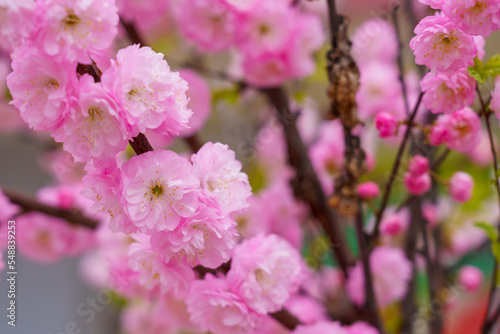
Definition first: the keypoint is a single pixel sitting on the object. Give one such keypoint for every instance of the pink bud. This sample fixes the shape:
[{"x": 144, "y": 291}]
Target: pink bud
[
  {"x": 417, "y": 185},
  {"x": 387, "y": 124},
  {"x": 470, "y": 278},
  {"x": 460, "y": 188},
  {"x": 418, "y": 165},
  {"x": 395, "y": 223},
  {"x": 368, "y": 190}
]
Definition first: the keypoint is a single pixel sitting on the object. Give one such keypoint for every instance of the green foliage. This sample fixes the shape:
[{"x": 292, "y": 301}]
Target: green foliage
[
  {"x": 229, "y": 95},
  {"x": 482, "y": 71},
  {"x": 492, "y": 233}
]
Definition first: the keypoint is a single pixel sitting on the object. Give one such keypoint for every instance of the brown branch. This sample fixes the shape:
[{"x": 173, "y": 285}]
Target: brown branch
[
  {"x": 402, "y": 82},
  {"x": 488, "y": 323},
  {"x": 194, "y": 143},
  {"x": 285, "y": 318},
  {"x": 29, "y": 204},
  {"x": 394, "y": 172},
  {"x": 306, "y": 184}
]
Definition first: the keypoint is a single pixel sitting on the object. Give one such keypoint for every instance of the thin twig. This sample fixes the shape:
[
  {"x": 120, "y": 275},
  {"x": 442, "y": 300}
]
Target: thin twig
[
  {"x": 488, "y": 323},
  {"x": 29, "y": 204},
  {"x": 394, "y": 172},
  {"x": 402, "y": 82}
]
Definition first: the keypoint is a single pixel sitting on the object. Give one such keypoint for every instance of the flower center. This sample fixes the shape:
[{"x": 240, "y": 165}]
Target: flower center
[
  {"x": 51, "y": 83},
  {"x": 71, "y": 20},
  {"x": 264, "y": 29},
  {"x": 94, "y": 112},
  {"x": 157, "y": 190}
]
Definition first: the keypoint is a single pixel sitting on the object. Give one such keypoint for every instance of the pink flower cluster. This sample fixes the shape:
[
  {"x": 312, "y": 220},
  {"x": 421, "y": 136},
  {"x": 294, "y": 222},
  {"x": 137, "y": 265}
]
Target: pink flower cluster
[
  {"x": 325, "y": 327},
  {"x": 417, "y": 180},
  {"x": 265, "y": 272},
  {"x": 274, "y": 39}
]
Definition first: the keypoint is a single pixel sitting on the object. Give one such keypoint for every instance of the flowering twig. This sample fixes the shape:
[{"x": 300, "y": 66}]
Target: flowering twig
[
  {"x": 28, "y": 204},
  {"x": 394, "y": 172},
  {"x": 307, "y": 185},
  {"x": 488, "y": 323}
]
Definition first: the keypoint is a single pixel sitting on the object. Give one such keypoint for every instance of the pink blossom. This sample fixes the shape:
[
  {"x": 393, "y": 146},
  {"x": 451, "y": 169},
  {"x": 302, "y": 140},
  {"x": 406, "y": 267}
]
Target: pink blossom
[
  {"x": 495, "y": 97},
  {"x": 395, "y": 222},
  {"x": 95, "y": 131},
  {"x": 156, "y": 274},
  {"x": 215, "y": 308},
  {"x": 387, "y": 124},
  {"x": 151, "y": 95},
  {"x": 145, "y": 317},
  {"x": 474, "y": 17},
  {"x": 265, "y": 271},
  {"x": 199, "y": 97},
  {"x": 16, "y": 22},
  {"x": 243, "y": 6},
  {"x": 222, "y": 181},
  {"x": 461, "y": 184},
  {"x": 368, "y": 190},
  {"x": 46, "y": 239},
  {"x": 391, "y": 272},
  {"x": 361, "y": 328},
  {"x": 375, "y": 41},
  {"x": 441, "y": 45},
  {"x": 7, "y": 209},
  {"x": 211, "y": 26},
  {"x": 144, "y": 14},
  {"x": 447, "y": 92},
  {"x": 470, "y": 278},
  {"x": 418, "y": 165},
  {"x": 481, "y": 154},
  {"x": 480, "y": 43},
  {"x": 266, "y": 27},
  {"x": 417, "y": 185},
  {"x": 306, "y": 309},
  {"x": 322, "y": 327},
  {"x": 328, "y": 152},
  {"x": 460, "y": 131},
  {"x": 430, "y": 212},
  {"x": 274, "y": 210},
  {"x": 40, "y": 88},
  {"x": 204, "y": 239},
  {"x": 379, "y": 91},
  {"x": 158, "y": 189},
  {"x": 435, "y": 4},
  {"x": 75, "y": 30}
]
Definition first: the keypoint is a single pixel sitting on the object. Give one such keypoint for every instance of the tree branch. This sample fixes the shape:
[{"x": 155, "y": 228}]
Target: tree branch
[
  {"x": 29, "y": 204},
  {"x": 394, "y": 172},
  {"x": 307, "y": 185}
]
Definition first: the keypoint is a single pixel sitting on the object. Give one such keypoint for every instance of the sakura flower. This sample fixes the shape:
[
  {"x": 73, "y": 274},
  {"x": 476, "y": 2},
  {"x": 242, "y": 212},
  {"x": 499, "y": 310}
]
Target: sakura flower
[
  {"x": 40, "y": 88},
  {"x": 441, "y": 45},
  {"x": 435, "y": 4},
  {"x": 375, "y": 41},
  {"x": 460, "y": 187},
  {"x": 46, "y": 239},
  {"x": 474, "y": 17},
  {"x": 460, "y": 131},
  {"x": 266, "y": 27},
  {"x": 395, "y": 222},
  {"x": 204, "y": 239},
  {"x": 417, "y": 185},
  {"x": 153, "y": 97},
  {"x": 145, "y": 14},
  {"x": 418, "y": 165},
  {"x": 495, "y": 97},
  {"x": 391, "y": 272},
  {"x": 215, "y": 308},
  {"x": 447, "y": 92},
  {"x": 221, "y": 178},
  {"x": 470, "y": 278},
  {"x": 379, "y": 91},
  {"x": 274, "y": 210},
  {"x": 75, "y": 30},
  {"x": 361, "y": 328},
  {"x": 265, "y": 271},
  {"x": 16, "y": 22},
  {"x": 368, "y": 190},
  {"x": 155, "y": 273},
  {"x": 96, "y": 130},
  {"x": 144, "y": 317},
  {"x": 199, "y": 96},
  {"x": 159, "y": 189},
  {"x": 211, "y": 26},
  {"x": 306, "y": 309},
  {"x": 322, "y": 327},
  {"x": 387, "y": 124}
]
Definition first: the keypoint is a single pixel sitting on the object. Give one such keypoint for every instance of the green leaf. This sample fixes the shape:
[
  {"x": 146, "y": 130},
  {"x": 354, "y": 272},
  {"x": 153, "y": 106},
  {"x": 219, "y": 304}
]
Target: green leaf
[
  {"x": 489, "y": 229},
  {"x": 230, "y": 95},
  {"x": 482, "y": 71}
]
